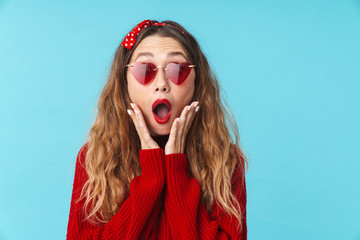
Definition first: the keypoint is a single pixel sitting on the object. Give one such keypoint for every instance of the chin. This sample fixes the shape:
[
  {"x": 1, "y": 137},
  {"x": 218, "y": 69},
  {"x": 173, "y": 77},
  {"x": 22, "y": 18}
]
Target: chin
[{"x": 159, "y": 131}]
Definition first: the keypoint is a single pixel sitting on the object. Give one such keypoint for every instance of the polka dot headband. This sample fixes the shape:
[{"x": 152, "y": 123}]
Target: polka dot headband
[{"x": 130, "y": 39}]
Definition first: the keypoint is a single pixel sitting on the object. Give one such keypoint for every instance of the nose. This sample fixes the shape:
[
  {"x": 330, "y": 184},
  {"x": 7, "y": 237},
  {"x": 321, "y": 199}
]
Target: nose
[{"x": 161, "y": 83}]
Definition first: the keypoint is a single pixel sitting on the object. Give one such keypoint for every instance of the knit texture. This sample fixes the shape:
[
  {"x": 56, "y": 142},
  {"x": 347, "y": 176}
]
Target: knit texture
[{"x": 164, "y": 203}]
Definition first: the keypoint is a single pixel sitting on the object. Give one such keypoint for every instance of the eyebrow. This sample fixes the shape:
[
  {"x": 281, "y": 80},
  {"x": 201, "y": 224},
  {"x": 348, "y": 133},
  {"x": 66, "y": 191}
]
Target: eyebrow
[{"x": 149, "y": 54}]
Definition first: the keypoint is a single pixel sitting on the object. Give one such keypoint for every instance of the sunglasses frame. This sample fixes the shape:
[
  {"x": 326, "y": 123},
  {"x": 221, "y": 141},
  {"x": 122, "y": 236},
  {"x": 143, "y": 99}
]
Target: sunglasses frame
[{"x": 156, "y": 68}]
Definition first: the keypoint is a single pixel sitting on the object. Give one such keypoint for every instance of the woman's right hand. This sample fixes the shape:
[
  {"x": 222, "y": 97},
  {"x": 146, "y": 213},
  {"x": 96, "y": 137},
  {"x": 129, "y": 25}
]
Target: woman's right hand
[{"x": 147, "y": 142}]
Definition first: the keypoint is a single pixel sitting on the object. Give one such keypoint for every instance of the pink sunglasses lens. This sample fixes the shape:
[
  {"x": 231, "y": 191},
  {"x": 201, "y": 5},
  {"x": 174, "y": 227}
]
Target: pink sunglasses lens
[
  {"x": 143, "y": 72},
  {"x": 178, "y": 73}
]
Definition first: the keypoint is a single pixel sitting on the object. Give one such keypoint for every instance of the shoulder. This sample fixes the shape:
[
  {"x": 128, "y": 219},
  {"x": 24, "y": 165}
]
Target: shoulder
[
  {"x": 80, "y": 168},
  {"x": 238, "y": 176},
  {"x": 240, "y": 162},
  {"x": 80, "y": 176},
  {"x": 81, "y": 156}
]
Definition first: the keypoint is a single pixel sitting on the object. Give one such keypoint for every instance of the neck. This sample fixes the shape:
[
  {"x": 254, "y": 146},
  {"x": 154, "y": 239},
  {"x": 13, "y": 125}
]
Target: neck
[{"x": 161, "y": 140}]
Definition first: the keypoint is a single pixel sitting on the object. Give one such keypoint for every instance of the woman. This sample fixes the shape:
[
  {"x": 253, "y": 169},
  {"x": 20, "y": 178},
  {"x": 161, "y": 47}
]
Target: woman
[{"x": 159, "y": 162}]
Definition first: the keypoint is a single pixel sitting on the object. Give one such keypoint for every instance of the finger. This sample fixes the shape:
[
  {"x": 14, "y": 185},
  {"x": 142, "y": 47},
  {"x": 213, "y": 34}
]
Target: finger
[
  {"x": 137, "y": 112},
  {"x": 140, "y": 118},
  {"x": 193, "y": 108},
  {"x": 170, "y": 145},
  {"x": 145, "y": 134},
  {"x": 134, "y": 120},
  {"x": 179, "y": 129},
  {"x": 182, "y": 121},
  {"x": 139, "y": 130}
]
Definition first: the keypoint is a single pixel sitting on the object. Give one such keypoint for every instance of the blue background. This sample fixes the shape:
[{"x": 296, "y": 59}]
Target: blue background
[{"x": 289, "y": 70}]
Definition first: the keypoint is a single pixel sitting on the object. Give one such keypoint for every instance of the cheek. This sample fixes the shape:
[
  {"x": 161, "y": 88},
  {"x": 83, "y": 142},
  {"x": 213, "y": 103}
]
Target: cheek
[
  {"x": 185, "y": 94},
  {"x": 135, "y": 90},
  {"x": 189, "y": 88},
  {"x": 139, "y": 95},
  {"x": 131, "y": 90}
]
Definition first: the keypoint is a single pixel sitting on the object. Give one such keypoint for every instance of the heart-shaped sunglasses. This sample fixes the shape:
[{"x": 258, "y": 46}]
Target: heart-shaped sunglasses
[{"x": 146, "y": 72}]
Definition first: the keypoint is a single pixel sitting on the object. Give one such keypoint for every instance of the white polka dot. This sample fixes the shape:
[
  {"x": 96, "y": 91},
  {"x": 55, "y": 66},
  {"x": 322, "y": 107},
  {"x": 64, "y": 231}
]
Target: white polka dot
[
  {"x": 126, "y": 39},
  {"x": 131, "y": 39},
  {"x": 126, "y": 44},
  {"x": 131, "y": 44}
]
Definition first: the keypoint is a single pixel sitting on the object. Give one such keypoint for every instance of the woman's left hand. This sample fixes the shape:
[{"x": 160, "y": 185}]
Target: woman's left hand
[{"x": 180, "y": 128}]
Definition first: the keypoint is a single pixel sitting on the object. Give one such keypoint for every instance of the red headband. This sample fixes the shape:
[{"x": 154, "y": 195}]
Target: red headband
[{"x": 130, "y": 39}]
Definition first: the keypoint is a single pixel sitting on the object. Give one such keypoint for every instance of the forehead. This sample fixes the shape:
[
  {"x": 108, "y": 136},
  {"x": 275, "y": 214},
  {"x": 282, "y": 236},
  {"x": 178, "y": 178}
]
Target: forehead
[{"x": 159, "y": 47}]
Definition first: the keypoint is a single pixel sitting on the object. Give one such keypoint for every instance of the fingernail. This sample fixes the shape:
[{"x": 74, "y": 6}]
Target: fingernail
[
  {"x": 129, "y": 112},
  {"x": 196, "y": 104},
  {"x": 197, "y": 109},
  {"x": 136, "y": 111},
  {"x": 189, "y": 108},
  {"x": 178, "y": 119},
  {"x": 132, "y": 105},
  {"x": 140, "y": 125}
]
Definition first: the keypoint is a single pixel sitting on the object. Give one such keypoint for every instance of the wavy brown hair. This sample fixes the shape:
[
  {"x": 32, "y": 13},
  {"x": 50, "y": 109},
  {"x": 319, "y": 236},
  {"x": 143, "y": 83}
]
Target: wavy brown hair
[{"x": 113, "y": 144}]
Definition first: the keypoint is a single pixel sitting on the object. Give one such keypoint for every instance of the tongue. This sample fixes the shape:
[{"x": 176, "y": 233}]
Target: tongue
[{"x": 162, "y": 111}]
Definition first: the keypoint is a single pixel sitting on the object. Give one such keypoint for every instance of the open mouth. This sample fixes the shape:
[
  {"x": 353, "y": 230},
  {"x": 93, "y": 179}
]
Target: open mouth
[{"x": 161, "y": 109}]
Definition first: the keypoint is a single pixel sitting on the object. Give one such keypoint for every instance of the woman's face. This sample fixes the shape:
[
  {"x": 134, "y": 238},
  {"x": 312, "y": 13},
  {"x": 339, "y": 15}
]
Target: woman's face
[{"x": 151, "y": 97}]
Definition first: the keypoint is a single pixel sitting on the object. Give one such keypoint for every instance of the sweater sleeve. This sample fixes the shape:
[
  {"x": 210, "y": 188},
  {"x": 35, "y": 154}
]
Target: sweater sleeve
[
  {"x": 137, "y": 213},
  {"x": 188, "y": 218}
]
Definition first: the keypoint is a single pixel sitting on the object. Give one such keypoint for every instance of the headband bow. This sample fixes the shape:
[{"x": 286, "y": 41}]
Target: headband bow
[{"x": 130, "y": 39}]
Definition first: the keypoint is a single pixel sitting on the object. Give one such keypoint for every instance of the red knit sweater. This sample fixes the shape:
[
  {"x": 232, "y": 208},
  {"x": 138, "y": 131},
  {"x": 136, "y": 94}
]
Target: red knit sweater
[{"x": 164, "y": 203}]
